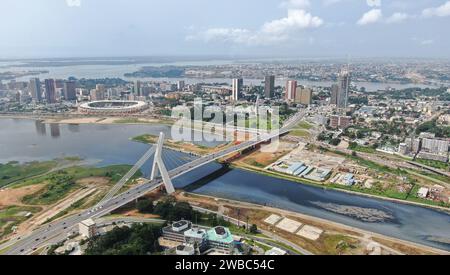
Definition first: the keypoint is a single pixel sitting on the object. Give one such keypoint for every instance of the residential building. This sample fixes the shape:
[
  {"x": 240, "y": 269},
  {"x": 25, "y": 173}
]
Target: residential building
[{"x": 341, "y": 122}]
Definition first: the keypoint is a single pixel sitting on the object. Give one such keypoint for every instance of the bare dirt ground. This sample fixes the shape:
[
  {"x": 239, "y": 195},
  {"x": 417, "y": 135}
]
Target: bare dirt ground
[
  {"x": 97, "y": 181},
  {"x": 14, "y": 197},
  {"x": 10, "y": 197},
  {"x": 262, "y": 159},
  {"x": 337, "y": 238}
]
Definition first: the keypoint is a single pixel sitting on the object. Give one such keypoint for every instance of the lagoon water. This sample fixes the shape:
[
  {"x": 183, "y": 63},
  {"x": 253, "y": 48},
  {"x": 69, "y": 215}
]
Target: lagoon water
[
  {"x": 28, "y": 140},
  {"x": 112, "y": 71}
]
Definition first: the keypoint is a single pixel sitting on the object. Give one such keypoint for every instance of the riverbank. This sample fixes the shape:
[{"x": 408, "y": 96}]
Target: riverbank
[
  {"x": 259, "y": 213},
  {"x": 87, "y": 119},
  {"x": 335, "y": 187}
]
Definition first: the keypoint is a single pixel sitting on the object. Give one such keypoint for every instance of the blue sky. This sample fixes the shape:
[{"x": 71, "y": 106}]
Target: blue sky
[{"x": 297, "y": 28}]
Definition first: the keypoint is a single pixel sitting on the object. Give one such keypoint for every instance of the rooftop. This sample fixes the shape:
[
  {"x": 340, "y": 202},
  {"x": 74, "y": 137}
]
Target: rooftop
[{"x": 220, "y": 234}]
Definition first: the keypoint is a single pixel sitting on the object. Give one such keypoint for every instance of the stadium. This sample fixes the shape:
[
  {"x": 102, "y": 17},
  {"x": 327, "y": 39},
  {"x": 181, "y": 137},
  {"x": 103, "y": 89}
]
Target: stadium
[{"x": 112, "y": 107}]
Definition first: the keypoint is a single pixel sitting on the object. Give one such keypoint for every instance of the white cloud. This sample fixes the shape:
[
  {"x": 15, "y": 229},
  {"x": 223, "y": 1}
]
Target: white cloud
[
  {"x": 443, "y": 10},
  {"x": 224, "y": 34},
  {"x": 295, "y": 4},
  {"x": 271, "y": 32},
  {"x": 374, "y": 3},
  {"x": 73, "y": 3},
  {"x": 397, "y": 18},
  {"x": 296, "y": 19},
  {"x": 371, "y": 17}
]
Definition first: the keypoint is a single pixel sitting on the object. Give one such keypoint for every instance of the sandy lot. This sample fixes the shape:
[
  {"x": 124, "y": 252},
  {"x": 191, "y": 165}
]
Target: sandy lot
[{"x": 14, "y": 196}]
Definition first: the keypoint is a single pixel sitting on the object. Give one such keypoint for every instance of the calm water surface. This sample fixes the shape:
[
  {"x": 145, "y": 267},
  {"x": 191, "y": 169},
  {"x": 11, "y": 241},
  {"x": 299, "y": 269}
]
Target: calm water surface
[{"x": 28, "y": 140}]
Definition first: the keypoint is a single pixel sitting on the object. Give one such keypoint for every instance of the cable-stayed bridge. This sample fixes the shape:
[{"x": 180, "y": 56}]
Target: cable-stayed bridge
[{"x": 57, "y": 231}]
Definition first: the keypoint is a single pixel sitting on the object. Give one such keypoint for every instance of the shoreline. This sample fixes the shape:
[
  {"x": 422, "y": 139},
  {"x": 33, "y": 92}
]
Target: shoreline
[
  {"x": 328, "y": 222},
  {"x": 317, "y": 185}
]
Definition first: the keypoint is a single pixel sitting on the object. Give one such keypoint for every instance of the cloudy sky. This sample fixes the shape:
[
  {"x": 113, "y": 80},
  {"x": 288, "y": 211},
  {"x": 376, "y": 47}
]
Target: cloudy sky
[{"x": 297, "y": 28}]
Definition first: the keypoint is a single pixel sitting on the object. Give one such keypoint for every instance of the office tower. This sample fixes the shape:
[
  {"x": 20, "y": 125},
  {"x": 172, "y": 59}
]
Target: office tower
[
  {"x": 340, "y": 91},
  {"x": 291, "y": 88},
  {"x": 344, "y": 87},
  {"x": 237, "y": 85},
  {"x": 303, "y": 96},
  {"x": 334, "y": 94},
  {"x": 70, "y": 92},
  {"x": 180, "y": 85},
  {"x": 137, "y": 88},
  {"x": 35, "y": 89},
  {"x": 50, "y": 91},
  {"x": 269, "y": 89},
  {"x": 97, "y": 94}
]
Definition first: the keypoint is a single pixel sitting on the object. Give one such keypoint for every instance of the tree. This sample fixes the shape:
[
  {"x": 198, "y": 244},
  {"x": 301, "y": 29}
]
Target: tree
[
  {"x": 254, "y": 229},
  {"x": 335, "y": 141},
  {"x": 145, "y": 206}
]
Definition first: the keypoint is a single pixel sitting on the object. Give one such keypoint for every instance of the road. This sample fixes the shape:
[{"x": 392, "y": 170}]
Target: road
[{"x": 57, "y": 231}]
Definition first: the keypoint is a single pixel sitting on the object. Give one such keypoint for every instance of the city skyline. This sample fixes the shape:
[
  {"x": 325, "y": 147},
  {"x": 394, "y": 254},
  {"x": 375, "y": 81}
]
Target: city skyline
[{"x": 365, "y": 28}]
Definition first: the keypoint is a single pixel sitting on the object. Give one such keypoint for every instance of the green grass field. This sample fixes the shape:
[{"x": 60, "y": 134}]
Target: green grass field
[
  {"x": 435, "y": 164},
  {"x": 13, "y": 171},
  {"x": 304, "y": 125},
  {"x": 60, "y": 184},
  {"x": 360, "y": 148},
  {"x": 299, "y": 133},
  {"x": 12, "y": 216}
]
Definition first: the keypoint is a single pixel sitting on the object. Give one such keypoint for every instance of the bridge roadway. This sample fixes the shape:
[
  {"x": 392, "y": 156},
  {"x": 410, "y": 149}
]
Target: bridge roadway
[
  {"x": 116, "y": 188},
  {"x": 58, "y": 231}
]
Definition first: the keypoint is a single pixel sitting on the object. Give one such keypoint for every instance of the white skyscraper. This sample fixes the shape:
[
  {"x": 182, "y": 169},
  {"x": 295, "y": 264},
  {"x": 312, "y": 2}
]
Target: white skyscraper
[{"x": 236, "y": 88}]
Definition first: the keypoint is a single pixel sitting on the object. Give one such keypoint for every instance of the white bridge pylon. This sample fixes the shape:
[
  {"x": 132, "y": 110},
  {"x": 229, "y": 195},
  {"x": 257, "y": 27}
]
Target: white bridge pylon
[{"x": 159, "y": 166}]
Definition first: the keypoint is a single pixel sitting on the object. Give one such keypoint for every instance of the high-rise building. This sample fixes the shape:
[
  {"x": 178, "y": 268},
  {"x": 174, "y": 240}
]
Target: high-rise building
[
  {"x": 97, "y": 94},
  {"x": 291, "y": 88},
  {"x": 340, "y": 92},
  {"x": 50, "y": 91},
  {"x": 137, "y": 88},
  {"x": 35, "y": 89},
  {"x": 334, "y": 94},
  {"x": 70, "y": 90},
  {"x": 237, "y": 85},
  {"x": 269, "y": 87},
  {"x": 180, "y": 85},
  {"x": 303, "y": 96},
  {"x": 344, "y": 87}
]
